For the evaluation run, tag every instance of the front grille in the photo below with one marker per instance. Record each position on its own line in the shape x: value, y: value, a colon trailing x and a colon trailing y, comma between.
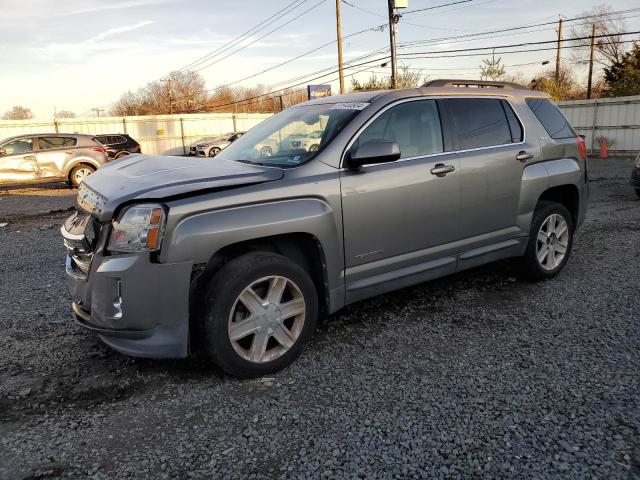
x: 80, y: 234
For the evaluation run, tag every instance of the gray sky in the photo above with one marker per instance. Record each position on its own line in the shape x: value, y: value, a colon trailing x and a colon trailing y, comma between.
x: 77, y: 54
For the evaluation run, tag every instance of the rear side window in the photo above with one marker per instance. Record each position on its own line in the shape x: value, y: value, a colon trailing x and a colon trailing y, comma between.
x: 517, y: 133
x: 551, y: 118
x: 414, y: 126
x: 102, y: 140
x: 47, y: 143
x: 479, y: 122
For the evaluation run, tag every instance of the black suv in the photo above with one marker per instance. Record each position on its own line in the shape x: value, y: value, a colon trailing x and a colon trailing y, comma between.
x: 119, y: 145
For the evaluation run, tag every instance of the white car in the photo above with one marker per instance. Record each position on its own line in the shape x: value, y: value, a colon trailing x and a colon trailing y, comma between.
x: 212, y: 147
x: 310, y: 142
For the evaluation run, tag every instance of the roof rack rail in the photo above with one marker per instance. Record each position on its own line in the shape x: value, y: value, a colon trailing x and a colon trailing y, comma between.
x: 474, y: 83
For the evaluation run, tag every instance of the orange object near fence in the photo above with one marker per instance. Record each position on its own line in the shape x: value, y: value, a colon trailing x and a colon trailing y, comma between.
x: 604, y: 147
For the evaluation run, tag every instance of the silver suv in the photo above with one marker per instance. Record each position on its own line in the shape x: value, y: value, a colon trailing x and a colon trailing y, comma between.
x: 49, y: 157
x: 240, y: 256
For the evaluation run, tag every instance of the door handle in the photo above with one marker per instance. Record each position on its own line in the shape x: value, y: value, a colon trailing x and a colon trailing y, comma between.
x: 440, y: 169
x: 524, y: 156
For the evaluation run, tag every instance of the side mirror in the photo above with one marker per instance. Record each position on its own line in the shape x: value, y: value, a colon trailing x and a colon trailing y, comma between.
x: 3, y: 152
x: 373, y: 151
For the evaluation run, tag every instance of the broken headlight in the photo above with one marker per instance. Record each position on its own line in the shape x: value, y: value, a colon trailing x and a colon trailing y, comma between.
x: 139, y: 228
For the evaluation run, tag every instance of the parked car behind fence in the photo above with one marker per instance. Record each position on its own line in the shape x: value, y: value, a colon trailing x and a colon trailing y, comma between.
x: 50, y: 157
x: 119, y: 145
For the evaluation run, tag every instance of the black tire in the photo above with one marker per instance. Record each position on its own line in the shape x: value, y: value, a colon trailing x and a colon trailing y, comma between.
x: 214, y: 151
x: 530, y: 266
x: 638, y: 192
x: 220, y: 297
x: 314, y: 147
x: 73, y: 176
x: 120, y: 155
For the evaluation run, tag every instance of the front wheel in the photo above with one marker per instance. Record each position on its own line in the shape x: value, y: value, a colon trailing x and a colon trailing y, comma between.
x: 79, y: 173
x: 550, y: 241
x: 214, y: 151
x: 260, y: 310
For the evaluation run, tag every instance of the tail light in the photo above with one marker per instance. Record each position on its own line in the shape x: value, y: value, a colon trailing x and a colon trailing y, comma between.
x: 582, y: 147
x: 100, y: 149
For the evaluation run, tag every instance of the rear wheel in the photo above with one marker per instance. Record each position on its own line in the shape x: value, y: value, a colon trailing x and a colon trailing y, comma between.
x: 121, y: 154
x: 550, y: 241
x: 79, y: 173
x: 266, y: 151
x: 214, y: 151
x: 260, y: 310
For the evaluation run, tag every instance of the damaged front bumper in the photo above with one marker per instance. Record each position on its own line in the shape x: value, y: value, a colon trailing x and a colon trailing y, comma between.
x: 136, y: 306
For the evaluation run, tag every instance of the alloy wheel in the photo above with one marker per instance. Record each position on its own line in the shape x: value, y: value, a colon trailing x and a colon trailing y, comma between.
x: 552, y: 242
x: 267, y: 319
x: 82, y: 173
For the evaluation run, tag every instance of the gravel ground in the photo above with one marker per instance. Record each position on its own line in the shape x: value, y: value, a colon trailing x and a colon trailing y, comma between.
x: 478, y: 375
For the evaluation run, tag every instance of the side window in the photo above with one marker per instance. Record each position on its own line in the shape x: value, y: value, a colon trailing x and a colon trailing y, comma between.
x: 414, y: 126
x: 479, y: 122
x: 120, y: 139
x: 47, y: 143
x: 551, y: 118
x: 102, y: 139
x: 19, y: 146
x: 517, y: 133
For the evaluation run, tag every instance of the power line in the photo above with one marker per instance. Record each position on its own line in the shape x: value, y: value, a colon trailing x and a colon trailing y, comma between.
x: 525, y: 44
x: 260, y: 38
x: 242, y: 36
x: 437, y: 6
x: 419, y: 55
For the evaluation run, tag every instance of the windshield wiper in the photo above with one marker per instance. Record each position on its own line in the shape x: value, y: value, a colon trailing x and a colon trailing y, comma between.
x: 251, y: 162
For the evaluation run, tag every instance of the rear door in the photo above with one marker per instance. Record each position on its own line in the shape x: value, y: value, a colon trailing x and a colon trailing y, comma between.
x: 400, y: 216
x: 53, y: 154
x: 18, y: 164
x: 493, y: 153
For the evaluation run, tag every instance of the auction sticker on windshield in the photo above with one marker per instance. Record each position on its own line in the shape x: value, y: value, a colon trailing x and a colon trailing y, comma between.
x: 350, y: 106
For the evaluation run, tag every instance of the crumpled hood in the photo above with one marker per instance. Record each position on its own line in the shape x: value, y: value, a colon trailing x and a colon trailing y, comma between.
x: 154, y: 177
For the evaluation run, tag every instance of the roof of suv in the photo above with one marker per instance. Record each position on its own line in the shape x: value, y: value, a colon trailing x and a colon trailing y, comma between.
x: 437, y: 87
x: 76, y: 135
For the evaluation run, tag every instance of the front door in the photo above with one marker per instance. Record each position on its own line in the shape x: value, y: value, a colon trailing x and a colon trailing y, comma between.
x: 18, y: 163
x: 399, y: 216
x: 53, y: 154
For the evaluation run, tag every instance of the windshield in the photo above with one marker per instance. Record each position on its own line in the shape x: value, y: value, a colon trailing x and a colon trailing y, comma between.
x: 292, y: 137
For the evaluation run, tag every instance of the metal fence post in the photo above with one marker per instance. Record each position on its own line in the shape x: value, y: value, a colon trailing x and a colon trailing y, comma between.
x: 124, y: 125
x: 233, y: 118
x: 55, y: 125
x: 184, y: 148
x: 593, y: 125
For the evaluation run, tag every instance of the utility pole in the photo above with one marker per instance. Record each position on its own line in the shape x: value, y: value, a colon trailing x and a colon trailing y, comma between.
x: 169, y: 91
x: 392, y: 42
x: 97, y: 110
x: 593, y: 45
x: 339, y: 32
x: 557, y: 76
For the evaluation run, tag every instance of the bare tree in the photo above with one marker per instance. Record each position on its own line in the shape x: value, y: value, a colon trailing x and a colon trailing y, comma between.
x: 608, y: 49
x: 65, y: 114
x: 18, y: 113
x: 179, y: 92
x: 565, y: 88
x: 406, y: 78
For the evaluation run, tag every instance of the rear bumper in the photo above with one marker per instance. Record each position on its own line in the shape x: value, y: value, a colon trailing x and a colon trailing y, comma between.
x: 137, y: 307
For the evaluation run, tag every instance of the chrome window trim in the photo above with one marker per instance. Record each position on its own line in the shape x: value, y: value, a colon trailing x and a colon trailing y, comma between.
x: 433, y: 97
